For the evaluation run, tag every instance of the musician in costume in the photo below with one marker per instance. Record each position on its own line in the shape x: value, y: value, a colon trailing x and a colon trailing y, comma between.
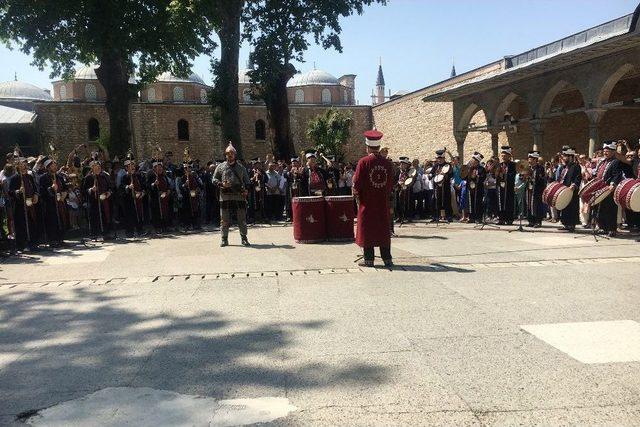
x: 403, y: 193
x: 233, y: 180
x: 372, y: 183
x: 23, y: 193
x: 610, y: 171
x: 190, y: 189
x: 505, y: 179
x: 271, y: 183
x: 475, y: 188
x: 571, y: 176
x: 53, y: 194
x: 293, y: 176
x: 536, y: 182
x: 314, y: 178
x: 441, y: 172
x: 160, y: 195
x: 132, y: 193
x: 96, y: 187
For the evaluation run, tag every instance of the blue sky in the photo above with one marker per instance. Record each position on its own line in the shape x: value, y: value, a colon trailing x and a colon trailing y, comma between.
x: 418, y: 39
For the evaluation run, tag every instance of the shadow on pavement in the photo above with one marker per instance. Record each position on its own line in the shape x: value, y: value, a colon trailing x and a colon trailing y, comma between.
x: 56, y: 348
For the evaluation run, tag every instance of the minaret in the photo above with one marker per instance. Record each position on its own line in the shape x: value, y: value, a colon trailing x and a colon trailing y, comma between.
x: 379, y: 85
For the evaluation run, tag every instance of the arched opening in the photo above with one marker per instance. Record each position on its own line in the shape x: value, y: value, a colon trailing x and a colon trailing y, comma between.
x: 63, y: 92
x: 178, y: 94
x: 183, y: 130
x: 299, y: 98
x: 261, y: 130
x: 93, y: 129
x: 565, y: 122
x: 345, y: 96
x: 326, y: 96
x: 204, y: 97
x: 622, y: 117
x: 151, y: 95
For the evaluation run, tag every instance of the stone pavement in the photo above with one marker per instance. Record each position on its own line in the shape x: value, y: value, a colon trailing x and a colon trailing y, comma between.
x: 472, y: 328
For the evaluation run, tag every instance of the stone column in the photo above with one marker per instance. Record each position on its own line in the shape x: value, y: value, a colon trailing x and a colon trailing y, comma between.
x: 537, y: 126
x: 594, y: 115
x: 460, y: 136
x: 495, y: 140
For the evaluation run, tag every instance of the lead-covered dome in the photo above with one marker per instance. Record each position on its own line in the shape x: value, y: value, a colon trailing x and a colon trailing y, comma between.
x: 23, y: 91
x: 313, y: 78
x: 88, y: 72
x: 168, y: 77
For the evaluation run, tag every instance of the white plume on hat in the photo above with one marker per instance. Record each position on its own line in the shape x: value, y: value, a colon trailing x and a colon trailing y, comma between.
x: 230, y: 148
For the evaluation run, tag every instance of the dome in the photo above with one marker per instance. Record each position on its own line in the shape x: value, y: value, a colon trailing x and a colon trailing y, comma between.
x: 313, y: 78
x: 23, y: 91
x: 88, y: 72
x: 168, y: 77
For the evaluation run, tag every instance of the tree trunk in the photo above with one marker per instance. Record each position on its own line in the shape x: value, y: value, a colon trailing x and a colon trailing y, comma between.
x: 113, y: 74
x: 278, y: 107
x: 227, y: 80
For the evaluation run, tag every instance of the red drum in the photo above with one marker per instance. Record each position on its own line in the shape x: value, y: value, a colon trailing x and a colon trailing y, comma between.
x: 340, y: 214
x: 557, y: 195
x: 309, y: 225
x: 627, y: 195
x: 594, y: 191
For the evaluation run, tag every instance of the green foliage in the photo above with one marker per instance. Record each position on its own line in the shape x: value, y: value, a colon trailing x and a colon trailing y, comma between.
x: 330, y: 131
x: 160, y: 35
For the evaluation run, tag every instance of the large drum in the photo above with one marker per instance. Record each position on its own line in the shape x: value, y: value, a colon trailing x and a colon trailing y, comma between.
x: 340, y: 213
x: 557, y: 195
x: 309, y: 225
x: 594, y: 191
x: 627, y: 194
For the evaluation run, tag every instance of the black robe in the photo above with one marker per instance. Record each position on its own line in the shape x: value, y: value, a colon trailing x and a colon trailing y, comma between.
x: 536, y: 184
x: 606, y: 212
x: 506, y: 191
x: 160, y: 207
x: 190, y: 208
x: 99, y: 210
x: 305, y: 181
x: 475, y: 203
x: 132, y: 206
x: 442, y: 191
x: 54, y: 206
x: 570, y: 216
x: 26, y: 219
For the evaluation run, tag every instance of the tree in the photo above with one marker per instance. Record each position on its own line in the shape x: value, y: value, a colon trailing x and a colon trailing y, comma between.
x: 160, y: 35
x: 330, y: 131
x: 226, y: 17
x: 279, y: 32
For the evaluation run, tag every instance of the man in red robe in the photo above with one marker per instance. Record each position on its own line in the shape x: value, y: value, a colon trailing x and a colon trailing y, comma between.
x: 372, y: 184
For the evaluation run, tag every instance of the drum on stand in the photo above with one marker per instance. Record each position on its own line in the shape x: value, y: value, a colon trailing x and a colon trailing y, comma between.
x: 557, y: 195
x: 340, y: 213
x: 627, y: 194
x: 594, y: 191
x: 309, y: 224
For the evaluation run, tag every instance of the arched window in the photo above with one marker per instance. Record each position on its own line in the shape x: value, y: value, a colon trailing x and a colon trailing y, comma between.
x: 63, y: 92
x: 183, y: 130
x: 151, y: 94
x: 90, y: 92
x: 93, y: 129
x: 326, y: 96
x: 261, y: 130
x: 345, y: 96
x: 178, y: 93
x: 203, y: 96
x: 299, y: 96
x: 246, y: 95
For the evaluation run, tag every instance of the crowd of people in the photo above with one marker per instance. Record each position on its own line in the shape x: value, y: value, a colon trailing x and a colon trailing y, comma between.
x: 500, y: 190
x: 44, y: 201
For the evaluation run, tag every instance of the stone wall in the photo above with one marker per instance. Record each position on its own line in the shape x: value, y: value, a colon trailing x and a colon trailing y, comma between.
x: 66, y: 125
x: 416, y: 129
